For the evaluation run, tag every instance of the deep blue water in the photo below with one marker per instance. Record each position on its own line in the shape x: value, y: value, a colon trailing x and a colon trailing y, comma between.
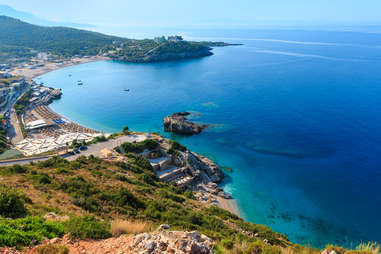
x: 297, y: 117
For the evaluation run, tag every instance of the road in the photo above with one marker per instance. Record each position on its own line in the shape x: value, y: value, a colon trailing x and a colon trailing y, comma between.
x: 94, y: 149
x: 14, y: 132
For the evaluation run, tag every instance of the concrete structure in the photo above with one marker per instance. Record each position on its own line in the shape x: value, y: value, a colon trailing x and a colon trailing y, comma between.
x: 36, y: 125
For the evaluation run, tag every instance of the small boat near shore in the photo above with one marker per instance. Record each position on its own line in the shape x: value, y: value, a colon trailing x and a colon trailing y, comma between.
x: 126, y: 90
x: 80, y: 83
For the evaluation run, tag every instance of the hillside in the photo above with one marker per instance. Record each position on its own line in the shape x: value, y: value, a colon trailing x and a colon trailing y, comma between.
x: 91, y: 198
x: 22, y: 41
x: 16, y: 35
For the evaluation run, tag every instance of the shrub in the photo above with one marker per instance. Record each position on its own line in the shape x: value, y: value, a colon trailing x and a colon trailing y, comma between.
x: 52, y: 249
x: 139, y: 147
x: 174, y: 146
x: 259, y: 246
x: 169, y: 195
x: 125, y: 198
x: 126, y: 130
x: 87, y: 227
x: 18, y: 169
x: 139, y: 161
x: 11, y: 203
x: 227, y: 243
x: 55, y: 161
x: 25, y: 231
x: 119, y: 227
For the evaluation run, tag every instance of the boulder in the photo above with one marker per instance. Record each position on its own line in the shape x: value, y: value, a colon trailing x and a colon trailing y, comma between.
x: 178, y: 123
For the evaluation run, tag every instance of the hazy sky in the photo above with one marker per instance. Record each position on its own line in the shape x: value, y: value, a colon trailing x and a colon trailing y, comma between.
x: 204, y: 12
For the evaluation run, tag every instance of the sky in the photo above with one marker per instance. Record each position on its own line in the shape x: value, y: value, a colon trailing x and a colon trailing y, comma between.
x: 204, y: 13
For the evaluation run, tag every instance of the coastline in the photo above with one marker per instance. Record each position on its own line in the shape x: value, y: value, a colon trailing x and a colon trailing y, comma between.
x: 227, y: 204
x: 31, y: 73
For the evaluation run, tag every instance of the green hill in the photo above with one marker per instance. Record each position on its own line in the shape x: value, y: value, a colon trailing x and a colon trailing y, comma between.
x: 18, y: 38
x: 22, y: 40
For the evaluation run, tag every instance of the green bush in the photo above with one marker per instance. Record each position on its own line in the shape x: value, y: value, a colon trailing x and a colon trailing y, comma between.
x: 11, y: 203
x: 261, y: 247
x: 139, y: 147
x: 87, y: 227
x: 174, y: 146
x: 25, y: 231
x: 139, y: 161
x: 125, y: 198
x: 18, y: 169
x: 227, y: 243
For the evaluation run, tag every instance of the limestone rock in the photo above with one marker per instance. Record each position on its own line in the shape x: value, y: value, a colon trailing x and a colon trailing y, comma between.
x: 178, y: 123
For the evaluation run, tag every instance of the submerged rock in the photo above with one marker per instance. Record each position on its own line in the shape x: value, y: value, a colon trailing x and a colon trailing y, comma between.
x: 178, y: 123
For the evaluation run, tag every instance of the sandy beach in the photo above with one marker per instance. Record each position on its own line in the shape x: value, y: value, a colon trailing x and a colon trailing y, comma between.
x: 229, y: 205
x: 31, y: 72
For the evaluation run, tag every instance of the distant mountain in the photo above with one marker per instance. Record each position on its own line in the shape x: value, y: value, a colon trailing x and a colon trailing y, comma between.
x: 30, y: 18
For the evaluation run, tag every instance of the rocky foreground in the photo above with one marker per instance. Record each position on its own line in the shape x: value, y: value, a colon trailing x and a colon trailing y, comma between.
x: 160, y: 241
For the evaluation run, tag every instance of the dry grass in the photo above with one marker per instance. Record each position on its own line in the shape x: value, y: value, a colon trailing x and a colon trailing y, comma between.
x: 119, y: 227
x: 370, y: 247
x: 52, y: 249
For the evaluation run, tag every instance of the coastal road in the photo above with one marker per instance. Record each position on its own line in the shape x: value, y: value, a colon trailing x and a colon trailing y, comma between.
x: 14, y: 132
x: 22, y: 161
x: 94, y: 149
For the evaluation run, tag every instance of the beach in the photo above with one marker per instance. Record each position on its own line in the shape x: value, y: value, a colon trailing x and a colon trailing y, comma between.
x: 32, y: 71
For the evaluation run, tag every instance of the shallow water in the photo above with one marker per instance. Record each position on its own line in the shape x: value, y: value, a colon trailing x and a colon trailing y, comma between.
x: 297, y: 117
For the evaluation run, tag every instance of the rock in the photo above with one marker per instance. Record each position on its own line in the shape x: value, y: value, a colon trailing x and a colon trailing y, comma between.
x: 224, y: 195
x: 50, y: 216
x: 178, y: 123
x: 325, y: 251
x: 150, y: 246
x: 332, y: 252
x: 163, y: 227
x: 54, y: 240
x: 173, y: 242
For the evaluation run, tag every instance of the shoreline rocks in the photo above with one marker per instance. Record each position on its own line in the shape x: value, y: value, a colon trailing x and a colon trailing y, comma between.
x: 178, y: 123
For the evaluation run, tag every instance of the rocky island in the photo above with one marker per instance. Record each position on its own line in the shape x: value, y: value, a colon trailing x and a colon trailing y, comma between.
x: 178, y: 123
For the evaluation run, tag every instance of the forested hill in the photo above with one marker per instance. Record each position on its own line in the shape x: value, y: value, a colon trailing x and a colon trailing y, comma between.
x: 18, y: 35
x: 21, y: 41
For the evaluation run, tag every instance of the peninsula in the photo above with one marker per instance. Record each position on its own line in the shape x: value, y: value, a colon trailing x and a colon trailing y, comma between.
x: 21, y: 42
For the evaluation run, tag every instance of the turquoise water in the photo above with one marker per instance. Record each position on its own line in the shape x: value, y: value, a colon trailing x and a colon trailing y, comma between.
x: 296, y: 115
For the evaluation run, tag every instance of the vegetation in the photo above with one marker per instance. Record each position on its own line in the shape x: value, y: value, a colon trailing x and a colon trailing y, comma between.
x: 124, y: 191
x: 174, y: 146
x: 19, y: 39
x: 25, y: 231
x: 52, y: 249
x: 87, y: 227
x: 11, y: 203
x: 139, y: 147
x: 119, y: 227
x: 3, y: 140
x: 105, y: 198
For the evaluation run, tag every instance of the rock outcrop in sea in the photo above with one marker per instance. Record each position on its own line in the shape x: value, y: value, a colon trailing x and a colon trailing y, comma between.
x: 178, y: 123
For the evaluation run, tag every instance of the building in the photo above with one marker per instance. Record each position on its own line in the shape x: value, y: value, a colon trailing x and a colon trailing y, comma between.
x: 36, y: 125
x: 175, y: 38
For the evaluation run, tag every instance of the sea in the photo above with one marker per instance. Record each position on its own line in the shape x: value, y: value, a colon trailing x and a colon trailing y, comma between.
x: 295, y: 119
